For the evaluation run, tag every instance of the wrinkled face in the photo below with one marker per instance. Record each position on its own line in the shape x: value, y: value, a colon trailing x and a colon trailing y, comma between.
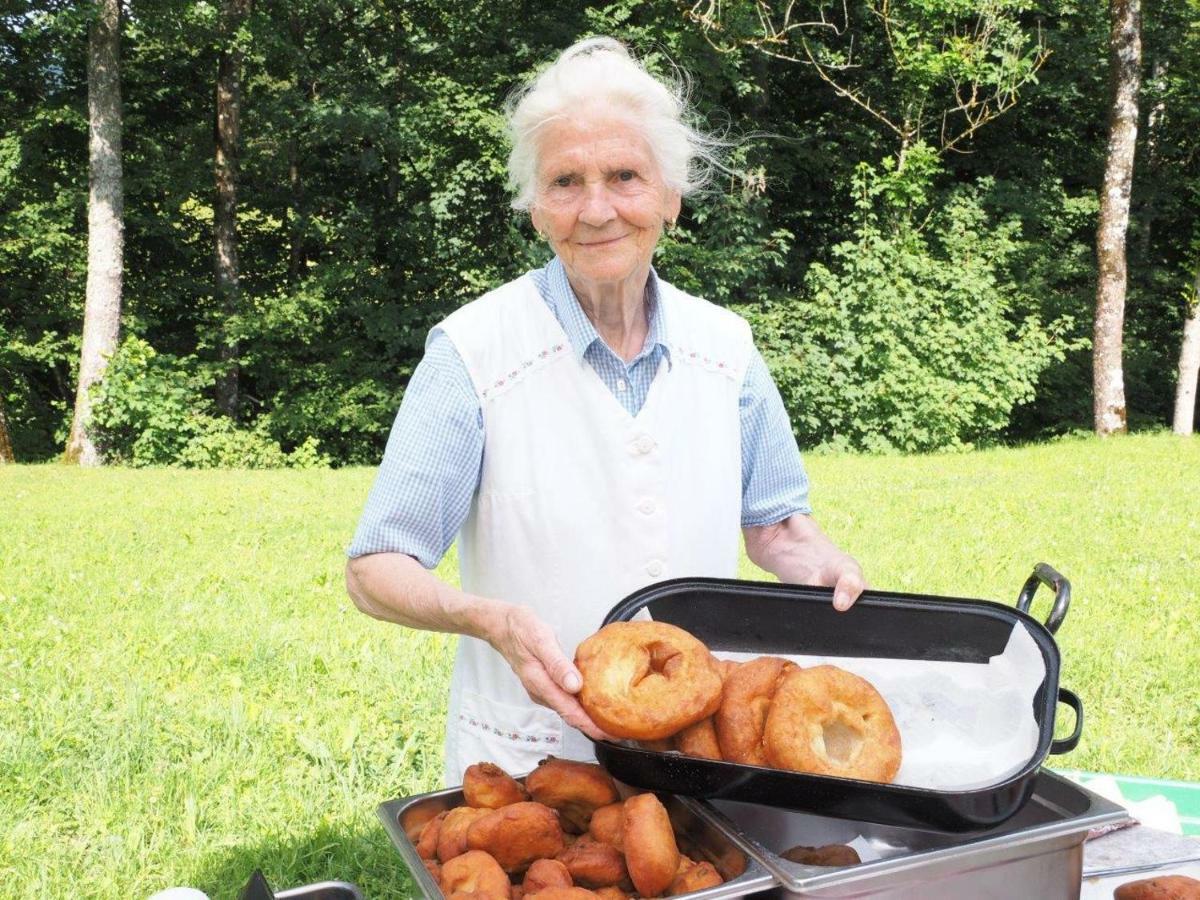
x: 600, y: 201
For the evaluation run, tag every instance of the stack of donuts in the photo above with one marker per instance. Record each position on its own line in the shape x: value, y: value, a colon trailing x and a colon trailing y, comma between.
x: 565, y: 834
x: 655, y: 683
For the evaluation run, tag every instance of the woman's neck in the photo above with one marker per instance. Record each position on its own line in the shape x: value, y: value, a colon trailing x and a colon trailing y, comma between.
x: 618, y: 312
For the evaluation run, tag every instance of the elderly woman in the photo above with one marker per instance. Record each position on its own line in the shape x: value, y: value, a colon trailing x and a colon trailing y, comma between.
x: 585, y: 430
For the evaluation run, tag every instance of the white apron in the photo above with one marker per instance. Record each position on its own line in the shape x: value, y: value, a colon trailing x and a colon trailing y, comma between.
x: 580, y: 503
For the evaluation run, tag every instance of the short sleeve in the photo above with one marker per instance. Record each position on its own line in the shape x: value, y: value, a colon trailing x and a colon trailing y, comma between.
x: 774, y: 483
x: 431, y: 467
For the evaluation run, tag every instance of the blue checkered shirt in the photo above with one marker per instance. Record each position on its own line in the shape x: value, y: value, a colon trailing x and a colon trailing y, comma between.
x: 431, y: 466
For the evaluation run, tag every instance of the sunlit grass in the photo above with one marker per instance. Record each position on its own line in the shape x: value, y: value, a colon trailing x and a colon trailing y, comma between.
x: 185, y: 693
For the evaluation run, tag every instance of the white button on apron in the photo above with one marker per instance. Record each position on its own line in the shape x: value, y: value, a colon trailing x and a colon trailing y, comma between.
x: 654, y: 569
x: 646, y: 507
x: 644, y: 444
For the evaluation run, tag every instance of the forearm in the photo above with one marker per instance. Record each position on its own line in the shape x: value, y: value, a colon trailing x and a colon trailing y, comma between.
x: 396, y: 588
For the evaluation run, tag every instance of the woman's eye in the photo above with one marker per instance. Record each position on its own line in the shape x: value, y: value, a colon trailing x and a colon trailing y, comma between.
x: 562, y: 181
x: 626, y: 175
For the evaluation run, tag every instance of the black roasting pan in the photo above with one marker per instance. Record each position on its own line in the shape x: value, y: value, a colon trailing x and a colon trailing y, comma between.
x: 769, y: 618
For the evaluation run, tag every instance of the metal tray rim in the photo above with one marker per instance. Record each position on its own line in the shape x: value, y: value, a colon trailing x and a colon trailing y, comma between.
x: 798, y: 878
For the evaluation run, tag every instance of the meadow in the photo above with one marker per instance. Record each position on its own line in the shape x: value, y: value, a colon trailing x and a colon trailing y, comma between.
x: 186, y: 693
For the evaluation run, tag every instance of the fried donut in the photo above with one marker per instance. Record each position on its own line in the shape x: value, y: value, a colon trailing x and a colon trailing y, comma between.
x: 828, y: 721
x: 475, y: 872
x: 594, y: 864
x: 428, y: 841
x: 695, y: 877
x: 606, y: 825
x: 575, y: 789
x: 699, y: 740
x: 563, y: 893
x: 646, y: 680
x: 546, y: 873
x: 829, y: 855
x: 611, y: 893
x: 651, y: 853
x: 517, y: 834
x: 452, y: 836
x: 1164, y: 887
x: 745, y: 700
x: 434, y: 869
x: 487, y: 785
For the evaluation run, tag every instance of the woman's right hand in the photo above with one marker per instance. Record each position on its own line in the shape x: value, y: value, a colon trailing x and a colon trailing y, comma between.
x: 531, y: 648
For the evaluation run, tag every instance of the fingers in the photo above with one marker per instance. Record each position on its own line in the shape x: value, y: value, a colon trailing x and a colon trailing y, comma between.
x: 543, y: 689
x: 850, y: 584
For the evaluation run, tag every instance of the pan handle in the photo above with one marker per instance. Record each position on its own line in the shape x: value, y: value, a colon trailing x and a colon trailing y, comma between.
x: 1044, y: 574
x: 1067, y: 744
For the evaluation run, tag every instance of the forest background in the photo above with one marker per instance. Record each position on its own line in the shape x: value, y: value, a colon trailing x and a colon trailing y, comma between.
x: 911, y: 227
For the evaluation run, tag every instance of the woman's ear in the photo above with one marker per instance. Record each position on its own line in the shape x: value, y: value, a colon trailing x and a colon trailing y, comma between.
x: 536, y: 218
x: 671, y: 207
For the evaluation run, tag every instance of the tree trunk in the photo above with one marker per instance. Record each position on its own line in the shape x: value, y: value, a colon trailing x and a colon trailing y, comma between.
x: 226, y: 136
x: 1125, y: 59
x: 106, y: 229
x: 1189, y: 367
x: 6, y: 450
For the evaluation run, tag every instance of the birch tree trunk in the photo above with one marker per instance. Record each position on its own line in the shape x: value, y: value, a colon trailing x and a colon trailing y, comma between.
x: 1189, y: 367
x: 1125, y: 59
x: 106, y: 229
x: 226, y: 133
x: 6, y: 450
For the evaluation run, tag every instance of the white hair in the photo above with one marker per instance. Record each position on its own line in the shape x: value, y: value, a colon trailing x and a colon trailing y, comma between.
x: 601, y: 71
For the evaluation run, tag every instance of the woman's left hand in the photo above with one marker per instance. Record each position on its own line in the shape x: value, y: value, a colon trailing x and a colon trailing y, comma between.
x: 798, y: 552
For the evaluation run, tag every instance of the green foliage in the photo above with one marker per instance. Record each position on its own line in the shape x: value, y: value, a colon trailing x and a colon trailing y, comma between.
x: 151, y: 409
x: 907, y: 339
x: 372, y: 200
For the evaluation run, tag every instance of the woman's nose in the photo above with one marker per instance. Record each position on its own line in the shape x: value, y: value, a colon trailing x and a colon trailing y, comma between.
x: 597, y: 205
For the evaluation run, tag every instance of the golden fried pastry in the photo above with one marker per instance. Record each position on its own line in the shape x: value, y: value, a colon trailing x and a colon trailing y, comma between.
x: 695, y: 877
x: 563, y: 893
x: 606, y: 825
x: 745, y: 700
x: 487, y: 785
x: 646, y: 680
x: 546, y: 873
x: 651, y: 853
x: 517, y: 834
x: 434, y: 869
x: 829, y: 855
x: 475, y: 872
x: 452, y: 837
x: 699, y: 740
x: 612, y: 893
x: 828, y: 721
x: 575, y: 789
x: 1164, y: 887
x: 593, y: 864
x: 428, y: 841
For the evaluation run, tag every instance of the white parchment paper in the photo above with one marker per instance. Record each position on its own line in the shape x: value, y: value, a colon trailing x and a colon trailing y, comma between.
x: 962, y: 725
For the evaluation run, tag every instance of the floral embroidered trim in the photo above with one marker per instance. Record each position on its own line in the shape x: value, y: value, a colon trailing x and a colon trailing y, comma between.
x: 508, y: 380
x: 712, y: 364
x: 511, y: 735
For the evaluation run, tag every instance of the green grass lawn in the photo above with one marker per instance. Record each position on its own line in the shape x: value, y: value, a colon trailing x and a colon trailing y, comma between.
x: 186, y: 693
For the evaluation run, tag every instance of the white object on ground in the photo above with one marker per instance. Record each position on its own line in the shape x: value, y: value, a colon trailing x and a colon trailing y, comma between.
x: 180, y: 893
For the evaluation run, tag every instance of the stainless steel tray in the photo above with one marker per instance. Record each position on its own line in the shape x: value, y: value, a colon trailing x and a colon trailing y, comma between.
x: 1038, y: 853
x: 699, y: 828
